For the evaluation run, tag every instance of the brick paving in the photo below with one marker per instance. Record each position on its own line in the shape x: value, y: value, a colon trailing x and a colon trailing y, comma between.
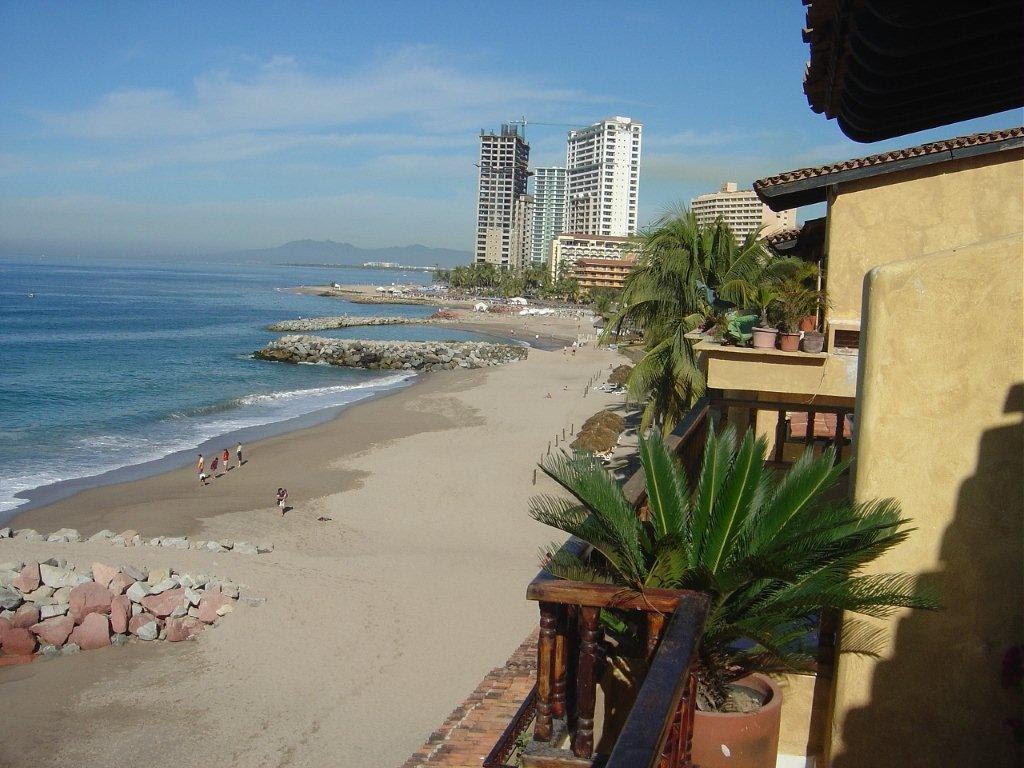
x: 473, y: 728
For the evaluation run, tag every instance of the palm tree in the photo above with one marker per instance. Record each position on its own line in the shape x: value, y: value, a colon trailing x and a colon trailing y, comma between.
x: 687, y: 272
x: 771, y: 551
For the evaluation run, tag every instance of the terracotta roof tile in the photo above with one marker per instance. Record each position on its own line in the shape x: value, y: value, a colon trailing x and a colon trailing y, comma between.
x: 972, y: 140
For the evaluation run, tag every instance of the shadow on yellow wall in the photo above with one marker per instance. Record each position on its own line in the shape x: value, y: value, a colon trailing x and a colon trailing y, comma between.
x: 952, y: 659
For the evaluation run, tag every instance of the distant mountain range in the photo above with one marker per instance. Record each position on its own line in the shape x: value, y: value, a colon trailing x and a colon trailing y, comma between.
x: 330, y: 252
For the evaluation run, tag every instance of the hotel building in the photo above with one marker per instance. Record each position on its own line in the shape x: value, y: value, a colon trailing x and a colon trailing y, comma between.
x: 504, y: 157
x: 742, y: 210
x: 567, y: 249
x: 548, y: 211
x: 603, y: 178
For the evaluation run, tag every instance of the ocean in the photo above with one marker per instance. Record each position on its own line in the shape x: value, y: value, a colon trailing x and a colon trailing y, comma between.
x: 110, y: 365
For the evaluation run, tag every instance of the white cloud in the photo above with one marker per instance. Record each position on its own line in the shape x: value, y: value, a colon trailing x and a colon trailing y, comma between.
x: 415, y: 84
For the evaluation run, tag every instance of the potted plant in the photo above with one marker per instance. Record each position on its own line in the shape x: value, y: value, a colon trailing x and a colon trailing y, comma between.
x: 813, y: 341
x: 771, y: 552
x: 795, y: 302
x: 763, y: 298
x: 732, y: 328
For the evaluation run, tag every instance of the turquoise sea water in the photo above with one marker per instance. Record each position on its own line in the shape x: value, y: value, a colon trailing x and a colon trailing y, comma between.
x: 113, y: 364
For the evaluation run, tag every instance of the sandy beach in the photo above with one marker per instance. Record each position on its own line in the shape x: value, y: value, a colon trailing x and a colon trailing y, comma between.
x: 377, y: 622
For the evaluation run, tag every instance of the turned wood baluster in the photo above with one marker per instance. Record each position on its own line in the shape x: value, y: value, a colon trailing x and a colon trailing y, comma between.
x: 561, y: 665
x: 586, y: 683
x: 655, y: 626
x: 687, y: 708
x: 545, y: 671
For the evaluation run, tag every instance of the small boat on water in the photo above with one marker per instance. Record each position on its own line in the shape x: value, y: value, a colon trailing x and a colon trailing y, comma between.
x: 31, y: 295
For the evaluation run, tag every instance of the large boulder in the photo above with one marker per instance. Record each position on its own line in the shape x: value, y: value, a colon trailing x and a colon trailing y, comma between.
x: 120, y: 613
x: 163, y: 605
x: 18, y: 642
x: 213, y: 601
x: 54, y: 631
x: 120, y: 583
x: 9, y: 598
x: 92, y: 633
x: 103, y: 574
x: 183, y: 628
x: 28, y: 580
x: 25, y: 617
x: 89, y: 598
x: 57, y: 577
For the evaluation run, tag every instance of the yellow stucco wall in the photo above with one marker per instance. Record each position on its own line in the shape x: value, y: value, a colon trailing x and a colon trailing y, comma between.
x: 780, y: 373
x: 940, y: 402
x: 902, y: 215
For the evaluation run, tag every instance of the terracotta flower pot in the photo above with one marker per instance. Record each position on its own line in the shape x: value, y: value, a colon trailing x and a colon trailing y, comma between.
x: 789, y: 342
x: 813, y: 341
x: 764, y: 338
x: 738, y: 740
x: 809, y: 323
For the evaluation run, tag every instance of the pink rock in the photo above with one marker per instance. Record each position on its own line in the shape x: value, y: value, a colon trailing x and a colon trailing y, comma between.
x: 212, y: 601
x: 25, y: 617
x: 120, y: 612
x: 142, y: 619
x: 18, y: 642
x: 103, y: 573
x: 5, y: 625
x: 161, y: 605
x: 28, y: 580
x: 183, y: 628
x: 92, y: 633
x: 54, y: 631
x: 120, y: 583
x: 128, y: 536
x: 89, y: 598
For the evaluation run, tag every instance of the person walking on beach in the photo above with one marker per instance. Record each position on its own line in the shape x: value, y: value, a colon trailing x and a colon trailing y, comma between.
x: 238, y: 453
x: 213, y: 466
x: 282, y: 498
x: 225, y: 459
x: 200, y: 467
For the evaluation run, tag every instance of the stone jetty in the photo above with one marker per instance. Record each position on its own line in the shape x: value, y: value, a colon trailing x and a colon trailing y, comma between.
x: 54, y: 608
x: 391, y: 355
x: 313, y: 324
x: 132, y: 538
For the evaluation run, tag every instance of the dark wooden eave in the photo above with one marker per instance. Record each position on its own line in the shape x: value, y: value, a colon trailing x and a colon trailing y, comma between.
x: 882, y: 68
x: 806, y: 186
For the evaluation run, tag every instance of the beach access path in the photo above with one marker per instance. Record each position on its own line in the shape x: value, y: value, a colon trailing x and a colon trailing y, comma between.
x: 377, y: 623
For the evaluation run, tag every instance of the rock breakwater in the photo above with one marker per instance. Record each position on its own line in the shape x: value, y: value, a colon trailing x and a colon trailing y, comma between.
x: 391, y: 355
x: 312, y: 324
x: 53, y: 608
x: 132, y: 538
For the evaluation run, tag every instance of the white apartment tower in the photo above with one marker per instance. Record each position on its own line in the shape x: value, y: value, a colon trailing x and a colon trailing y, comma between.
x: 548, y: 211
x: 603, y: 178
x: 742, y: 211
x: 521, y: 240
x: 503, y: 164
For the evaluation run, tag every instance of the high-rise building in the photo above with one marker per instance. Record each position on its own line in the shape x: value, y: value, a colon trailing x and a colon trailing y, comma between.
x: 603, y: 178
x: 521, y: 241
x: 548, y: 211
x: 503, y: 164
x: 742, y: 210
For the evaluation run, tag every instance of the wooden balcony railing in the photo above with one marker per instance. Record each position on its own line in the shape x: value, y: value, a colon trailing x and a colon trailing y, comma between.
x: 659, y: 727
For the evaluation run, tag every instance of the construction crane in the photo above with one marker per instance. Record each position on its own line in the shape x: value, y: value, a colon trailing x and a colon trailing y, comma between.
x: 524, y: 123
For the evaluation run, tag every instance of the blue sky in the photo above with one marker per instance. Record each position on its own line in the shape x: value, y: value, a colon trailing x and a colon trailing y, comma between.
x: 159, y: 128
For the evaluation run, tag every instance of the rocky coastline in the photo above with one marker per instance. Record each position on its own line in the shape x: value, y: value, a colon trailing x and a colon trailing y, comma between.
x: 391, y: 355
x: 313, y: 324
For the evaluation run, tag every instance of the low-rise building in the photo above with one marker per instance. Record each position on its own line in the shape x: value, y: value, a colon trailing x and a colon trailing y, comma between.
x: 592, y: 273
x: 742, y: 211
x: 567, y: 248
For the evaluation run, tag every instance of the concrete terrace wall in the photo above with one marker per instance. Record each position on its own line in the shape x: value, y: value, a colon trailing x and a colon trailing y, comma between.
x: 939, y: 426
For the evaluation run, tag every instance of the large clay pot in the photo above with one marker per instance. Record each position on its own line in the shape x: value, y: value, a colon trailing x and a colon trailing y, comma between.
x: 813, y: 342
x: 809, y: 323
x: 789, y: 342
x: 734, y: 740
x: 764, y: 338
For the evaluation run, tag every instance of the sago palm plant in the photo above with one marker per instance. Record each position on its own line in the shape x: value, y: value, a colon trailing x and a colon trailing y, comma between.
x: 770, y: 550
